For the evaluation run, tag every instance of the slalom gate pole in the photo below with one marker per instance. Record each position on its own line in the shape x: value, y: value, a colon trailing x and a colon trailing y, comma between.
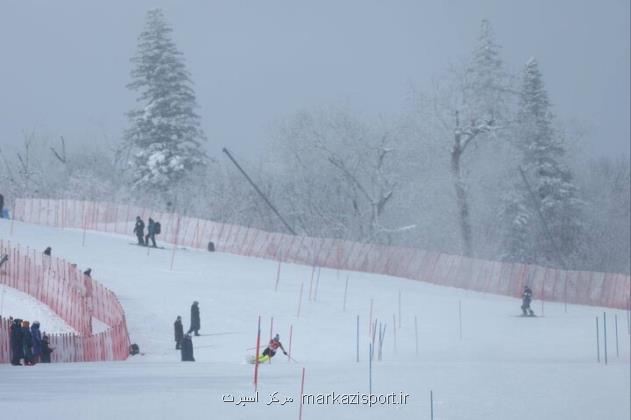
x: 370, y: 351
x: 311, y: 281
x: 416, y: 333
x: 374, y: 333
x: 317, y: 286
x: 300, y: 299
x: 177, y: 233
x: 394, y: 334
x: 345, y: 293
x: 615, y: 317
x: 277, y: 277
x: 597, y: 342
x: 302, y: 391
x: 271, y: 328
x: 395, y: 325
x: 291, y: 330
x: 431, y: 405
x: 370, y: 320
x: 256, y: 361
x: 460, y: 317
x: 357, y: 358
x: 605, y: 335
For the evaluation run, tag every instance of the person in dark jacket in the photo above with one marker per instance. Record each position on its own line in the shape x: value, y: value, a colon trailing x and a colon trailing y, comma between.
x: 139, y: 230
x: 187, y: 348
x: 27, y: 343
x: 195, y: 321
x: 46, y: 349
x: 48, y: 251
x: 179, y: 332
x: 526, y: 298
x: 151, y: 233
x: 88, y: 272
x: 17, y: 347
x: 37, y: 341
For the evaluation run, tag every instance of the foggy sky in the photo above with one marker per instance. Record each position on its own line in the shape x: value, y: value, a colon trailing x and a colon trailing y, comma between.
x: 64, y: 64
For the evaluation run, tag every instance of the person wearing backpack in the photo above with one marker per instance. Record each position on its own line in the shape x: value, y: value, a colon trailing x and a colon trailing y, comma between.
x: 153, y: 229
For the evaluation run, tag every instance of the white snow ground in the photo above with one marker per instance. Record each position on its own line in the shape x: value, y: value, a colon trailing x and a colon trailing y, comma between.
x: 21, y: 305
x: 504, y: 367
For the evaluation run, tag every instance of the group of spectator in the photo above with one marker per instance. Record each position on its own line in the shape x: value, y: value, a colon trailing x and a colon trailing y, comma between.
x: 153, y: 229
x: 28, y: 343
x: 184, y: 342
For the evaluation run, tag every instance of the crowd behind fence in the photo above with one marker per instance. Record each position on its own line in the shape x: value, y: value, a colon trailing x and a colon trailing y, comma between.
x: 74, y: 297
x: 578, y: 287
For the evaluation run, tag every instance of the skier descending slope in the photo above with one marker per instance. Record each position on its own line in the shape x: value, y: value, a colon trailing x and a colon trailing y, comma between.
x: 270, y: 351
x: 526, y: 297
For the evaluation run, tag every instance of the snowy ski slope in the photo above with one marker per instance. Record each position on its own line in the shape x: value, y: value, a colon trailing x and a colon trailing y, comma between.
x: 503, y: 367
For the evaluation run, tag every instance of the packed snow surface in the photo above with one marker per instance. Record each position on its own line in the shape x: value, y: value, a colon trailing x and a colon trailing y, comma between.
x: 502, y: 366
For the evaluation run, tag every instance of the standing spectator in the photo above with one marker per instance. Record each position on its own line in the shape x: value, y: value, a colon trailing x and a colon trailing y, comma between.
x: 151, y: 232
x: 17, y: 347
x: 46, y: 349
x: 88, y: 272
x: 195, y: 321
x: 27, y: 343
x: 179, y: 332
x: 37, y: 341
x: 48, y: 251
x: 187, y: 348
x: 139, y: 230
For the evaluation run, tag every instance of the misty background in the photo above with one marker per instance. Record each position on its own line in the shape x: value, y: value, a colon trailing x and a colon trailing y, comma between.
x: 65, y: 64
x: 348, y: 115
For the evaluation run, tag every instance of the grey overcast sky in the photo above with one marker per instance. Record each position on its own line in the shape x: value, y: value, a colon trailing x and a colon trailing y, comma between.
x: 64, y: 64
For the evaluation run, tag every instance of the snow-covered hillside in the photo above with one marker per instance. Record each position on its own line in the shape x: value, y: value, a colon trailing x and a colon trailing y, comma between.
x: 503, y: 367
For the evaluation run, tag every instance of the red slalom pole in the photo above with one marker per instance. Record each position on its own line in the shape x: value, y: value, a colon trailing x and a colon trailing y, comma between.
x: 256, y: 361
x: 291, y: 327
x: 302, y: 391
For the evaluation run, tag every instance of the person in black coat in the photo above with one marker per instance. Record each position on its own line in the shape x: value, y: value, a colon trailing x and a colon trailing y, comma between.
x: 27, y: 344
x: 17, y: 346
x: 526, y: 297
x: 48, y: 251
x: 46, y: 349
x: 195, y: 321
x: 151, y: 233
x: 37, y: 341
x: 187, y: 349
x: 139, y: 230
x: 179, y: 332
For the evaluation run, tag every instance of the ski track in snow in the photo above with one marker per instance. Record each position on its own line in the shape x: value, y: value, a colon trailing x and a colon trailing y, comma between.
x: 504, y: 367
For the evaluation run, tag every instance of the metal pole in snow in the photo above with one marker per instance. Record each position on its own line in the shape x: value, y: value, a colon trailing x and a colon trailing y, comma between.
x: 597, y: 342
x: 345, y: 293
x: 605, y: 335
x: 317, y: 286
x: 302, y: 285
x: 460, y: 317
x: 311, y: 281
x: 431, y: 405
x: 370, y: 320
x: 394, y: 326
x: 394, y: 334
x: 357, y: 338
x: 370, y: 351
x: 271, y: 328
x: 615, y: 317
x: 277, y: 276
x: 416, y: 333
x: 302, y: 391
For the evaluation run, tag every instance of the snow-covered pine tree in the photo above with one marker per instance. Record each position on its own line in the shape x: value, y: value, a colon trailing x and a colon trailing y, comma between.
x: 550, y: 180
x: 164, y: 137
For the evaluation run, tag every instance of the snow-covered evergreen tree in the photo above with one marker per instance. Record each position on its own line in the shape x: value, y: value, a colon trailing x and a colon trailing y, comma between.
x: 551, y: 182
x: 164, y: 137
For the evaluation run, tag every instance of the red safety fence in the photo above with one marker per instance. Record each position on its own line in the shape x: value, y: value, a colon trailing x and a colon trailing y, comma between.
x: 580, y: 287
x: 74, y: 297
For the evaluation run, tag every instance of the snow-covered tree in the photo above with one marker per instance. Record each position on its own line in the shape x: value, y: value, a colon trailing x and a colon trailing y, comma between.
x: 549, y: 205
x: 164, y: 139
